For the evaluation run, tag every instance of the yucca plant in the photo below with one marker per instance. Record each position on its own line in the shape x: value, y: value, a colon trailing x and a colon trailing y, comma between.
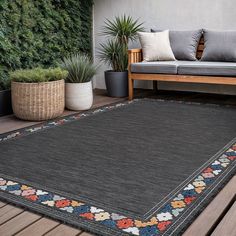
x: 80, y: 68
x: 120, y: 31
x: 114, y: 54
x: 123, y: 28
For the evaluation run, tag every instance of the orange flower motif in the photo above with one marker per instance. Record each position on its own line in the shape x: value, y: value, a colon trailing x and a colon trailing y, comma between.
x: 62, y: 203
x: 32, y: 198
x: 88, y: 216
x: 125, y: 223
x: 232, y: 158
x: 208, y: 170
x: 178, y: 204
x: 139, y: 223
x: 188, y: 200
x: 163, y: 225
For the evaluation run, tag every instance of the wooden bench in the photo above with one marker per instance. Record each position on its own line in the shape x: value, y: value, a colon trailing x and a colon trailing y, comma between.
x: 135, y: 55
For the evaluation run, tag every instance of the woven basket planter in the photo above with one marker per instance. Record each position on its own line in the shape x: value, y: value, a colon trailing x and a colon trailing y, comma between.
x: 38, y: 101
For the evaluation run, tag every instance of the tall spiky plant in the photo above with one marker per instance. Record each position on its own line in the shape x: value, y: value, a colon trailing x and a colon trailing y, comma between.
x: 113, y: 53
x: 80, y: 68
x: 123, y: 28
x: 120, y: 31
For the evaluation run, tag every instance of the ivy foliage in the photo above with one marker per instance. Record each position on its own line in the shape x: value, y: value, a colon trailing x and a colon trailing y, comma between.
x: 40, y: 33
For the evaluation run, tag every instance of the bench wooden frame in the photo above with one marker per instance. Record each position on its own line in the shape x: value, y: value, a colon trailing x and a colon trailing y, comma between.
x: 135, y: 55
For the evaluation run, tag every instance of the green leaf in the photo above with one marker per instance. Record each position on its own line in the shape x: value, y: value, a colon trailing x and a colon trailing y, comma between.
x: 40, y: 33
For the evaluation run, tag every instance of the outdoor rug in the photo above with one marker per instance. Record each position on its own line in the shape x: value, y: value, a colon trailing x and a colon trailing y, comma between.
x: 146, y: 167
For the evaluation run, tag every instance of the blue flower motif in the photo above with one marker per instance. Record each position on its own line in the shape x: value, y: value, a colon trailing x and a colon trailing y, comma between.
x: 13, y: 187
x: 230, y: 153
x: 109, y: 223
x: 209, y: 180
x: 216, y: 167
x: 44, y: 198
x: 81, y: 209
x: 167, y: 208
x: 149, y: 231
x: 189, y: 193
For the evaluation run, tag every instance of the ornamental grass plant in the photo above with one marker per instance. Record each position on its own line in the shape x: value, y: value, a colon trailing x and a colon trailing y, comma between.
x: 38, y: 75
x: 80, y: 68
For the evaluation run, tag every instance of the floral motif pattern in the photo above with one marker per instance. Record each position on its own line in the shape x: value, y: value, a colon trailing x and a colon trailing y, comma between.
x: 155, y: 226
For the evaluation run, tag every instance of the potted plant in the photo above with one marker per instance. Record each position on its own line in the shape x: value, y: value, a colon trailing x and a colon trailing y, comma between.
x: 79, y: 90
x: 5, y: 95
x: 114, y: 52
x: 38, y: 94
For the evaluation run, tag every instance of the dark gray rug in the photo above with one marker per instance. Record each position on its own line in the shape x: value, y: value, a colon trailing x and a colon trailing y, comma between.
x: 144, y: 168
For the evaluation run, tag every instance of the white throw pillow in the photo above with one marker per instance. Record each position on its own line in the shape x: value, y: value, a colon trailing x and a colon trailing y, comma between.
x: 156, y: 46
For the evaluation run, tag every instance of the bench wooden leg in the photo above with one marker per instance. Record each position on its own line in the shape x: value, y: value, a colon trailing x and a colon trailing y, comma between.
x: 131, y: 89
x: 155, y: 87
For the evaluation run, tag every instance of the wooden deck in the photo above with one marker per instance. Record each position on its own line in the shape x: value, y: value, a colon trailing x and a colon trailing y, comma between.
x: 218, y: 219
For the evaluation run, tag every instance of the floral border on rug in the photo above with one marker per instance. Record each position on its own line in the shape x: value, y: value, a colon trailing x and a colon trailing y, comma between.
x: 155, y: 226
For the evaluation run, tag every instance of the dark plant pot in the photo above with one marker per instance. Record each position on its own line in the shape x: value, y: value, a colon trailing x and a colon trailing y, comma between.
x: 5, y: 103
x: 116, y: 83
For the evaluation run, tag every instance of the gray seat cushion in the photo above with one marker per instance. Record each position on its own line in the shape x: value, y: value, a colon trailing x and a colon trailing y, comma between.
x: 207, y: 68
x: 184, y: 43
x: 219, y: 46
x: 157, y: 67
x: 185, y: 68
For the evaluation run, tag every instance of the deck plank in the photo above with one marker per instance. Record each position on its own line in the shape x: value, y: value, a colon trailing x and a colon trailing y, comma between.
x: 86, y: 234
x: 39, y: 228
x: 62, y: 230
x: 227, y: 226
x: 8, y: 212
x: 18, y: 223
x: 209, y: 217
x: 2, y: 204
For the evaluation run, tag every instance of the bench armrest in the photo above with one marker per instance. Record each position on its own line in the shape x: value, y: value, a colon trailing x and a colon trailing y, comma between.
x: 137, y: 50
x: 135, y: 55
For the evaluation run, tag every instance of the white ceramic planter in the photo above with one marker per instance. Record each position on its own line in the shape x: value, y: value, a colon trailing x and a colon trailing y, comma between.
x: 79, y: 96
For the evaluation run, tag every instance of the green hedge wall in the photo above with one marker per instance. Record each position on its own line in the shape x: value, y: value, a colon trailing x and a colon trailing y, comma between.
x: 40, y: 32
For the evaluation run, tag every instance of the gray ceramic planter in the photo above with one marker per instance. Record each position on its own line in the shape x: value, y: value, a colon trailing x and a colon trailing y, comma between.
x: 116, y: 83
x: 5, y: 103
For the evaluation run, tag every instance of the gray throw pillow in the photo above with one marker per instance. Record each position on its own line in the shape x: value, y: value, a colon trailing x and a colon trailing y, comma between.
x: 184, y: 43
x: 219, y: 46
